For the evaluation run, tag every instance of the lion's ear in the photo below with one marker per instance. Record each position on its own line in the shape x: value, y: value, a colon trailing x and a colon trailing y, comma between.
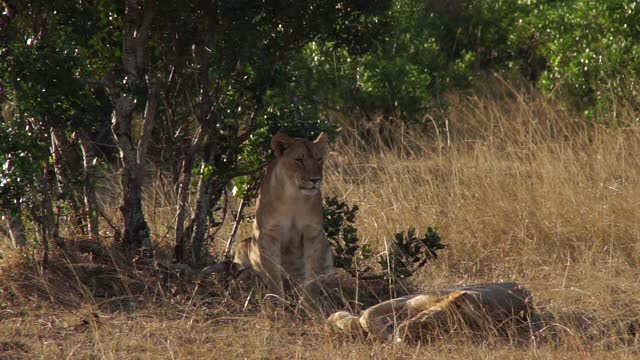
x: 280, y: 143
x: 322, y: 143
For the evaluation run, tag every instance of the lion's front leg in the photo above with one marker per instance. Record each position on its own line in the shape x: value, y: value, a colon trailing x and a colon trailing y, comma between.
x: 318, y: 260
x: 270, y: 262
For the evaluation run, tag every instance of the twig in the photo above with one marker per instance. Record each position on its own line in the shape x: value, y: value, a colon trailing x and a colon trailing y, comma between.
x: 224, y: 216
x: 245, y: 199
x: 246, y: 302
x: 236, y: 224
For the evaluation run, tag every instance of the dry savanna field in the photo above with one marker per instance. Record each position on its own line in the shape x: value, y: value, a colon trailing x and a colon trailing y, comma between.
x: 518, y: 188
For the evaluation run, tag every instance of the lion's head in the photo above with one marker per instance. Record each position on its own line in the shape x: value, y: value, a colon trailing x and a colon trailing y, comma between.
x: 299, y: 162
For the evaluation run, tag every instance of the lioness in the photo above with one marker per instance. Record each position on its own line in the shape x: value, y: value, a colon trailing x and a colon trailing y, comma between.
x: 288, y: 237
x: 484, y: 307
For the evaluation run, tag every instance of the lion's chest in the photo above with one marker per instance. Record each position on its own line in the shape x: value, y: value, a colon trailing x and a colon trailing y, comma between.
x: 293, y: 234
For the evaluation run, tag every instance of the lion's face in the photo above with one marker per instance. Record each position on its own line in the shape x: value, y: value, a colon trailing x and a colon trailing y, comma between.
x: 301, y: 161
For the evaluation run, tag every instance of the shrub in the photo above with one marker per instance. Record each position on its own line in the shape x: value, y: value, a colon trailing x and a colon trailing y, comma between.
x: 405, y: 255
x: 339, y: 228
x: 409, y: 253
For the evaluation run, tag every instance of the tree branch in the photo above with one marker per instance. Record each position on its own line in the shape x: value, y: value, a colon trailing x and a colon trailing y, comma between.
x: 148, y: 122
x: 147, y: 16
x: 132, y: 42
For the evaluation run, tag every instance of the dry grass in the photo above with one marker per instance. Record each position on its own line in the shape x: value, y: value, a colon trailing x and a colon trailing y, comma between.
x: 519, y: 190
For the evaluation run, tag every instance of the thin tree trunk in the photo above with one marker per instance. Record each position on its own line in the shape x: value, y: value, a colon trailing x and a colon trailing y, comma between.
x: 136, y: 230
x: 183, y: 195
x: 44, y: 240
x: 16, y: 228
x: 50, y: 218
x: 206, y: 118
x: 46, y: 221
x: 209, y: 194
x: 66, y: 166
x: 210, y: 191
x: 88, y: 188
x: 136, y: 22
x: 200, y: 219
x: 181, y: 211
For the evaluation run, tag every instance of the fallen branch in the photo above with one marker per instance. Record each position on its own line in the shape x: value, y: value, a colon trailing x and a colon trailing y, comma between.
x: 116, y: 232
x: 96, y: 249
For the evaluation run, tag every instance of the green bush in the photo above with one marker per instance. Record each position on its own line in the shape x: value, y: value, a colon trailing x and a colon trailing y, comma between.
x: 429, y: 47
x: 591, y: 50
x: 339, y: 220
x: 587, y: 52
x: 408, y: 253
x: 405, y: 255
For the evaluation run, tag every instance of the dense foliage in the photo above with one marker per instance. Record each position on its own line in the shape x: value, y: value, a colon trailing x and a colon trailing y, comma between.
x: 587, y: 51
x: 196, y: 88
x: 591, y: 50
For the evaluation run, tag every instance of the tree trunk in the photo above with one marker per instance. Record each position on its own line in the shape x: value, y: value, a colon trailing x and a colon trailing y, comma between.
x: 47, y: 220
x: 16, y: 228
x: 183, y: 196
x: 136, y: 231
x: 200, y: 219
x: 181, y: 211
x: 207, y: 120
x: 136, y: 22
x: 88, y: 188
x: 209, y: 192
x: 66, y: 166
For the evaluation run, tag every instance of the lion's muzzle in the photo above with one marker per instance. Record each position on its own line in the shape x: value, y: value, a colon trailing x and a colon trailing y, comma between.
x: 311, y: 186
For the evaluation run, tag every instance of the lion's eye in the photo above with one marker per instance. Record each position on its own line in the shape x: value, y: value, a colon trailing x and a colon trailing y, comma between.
x: 320, y: 160
x: 300, y: 161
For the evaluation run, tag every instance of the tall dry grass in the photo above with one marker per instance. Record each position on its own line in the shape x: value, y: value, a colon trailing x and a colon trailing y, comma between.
x: 519, y: 189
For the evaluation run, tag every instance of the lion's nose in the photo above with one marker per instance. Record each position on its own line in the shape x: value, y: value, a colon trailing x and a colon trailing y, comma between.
x: 315, y: 180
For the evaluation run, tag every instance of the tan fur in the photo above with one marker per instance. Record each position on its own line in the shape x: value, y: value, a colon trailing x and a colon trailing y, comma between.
x: 344, y: 322
x: 380, y: 320
x: 415, y: 317
x: 289, y: 242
